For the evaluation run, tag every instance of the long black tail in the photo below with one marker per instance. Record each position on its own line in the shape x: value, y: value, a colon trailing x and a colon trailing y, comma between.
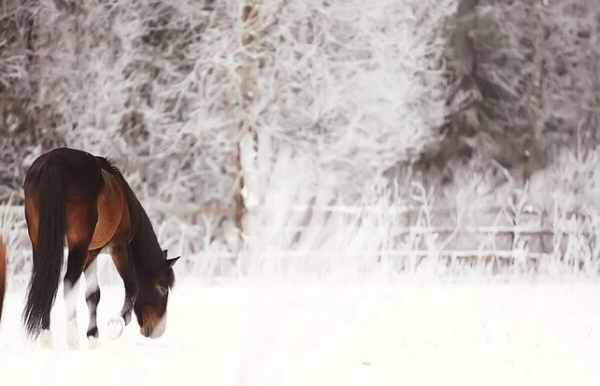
x: 48, y: 259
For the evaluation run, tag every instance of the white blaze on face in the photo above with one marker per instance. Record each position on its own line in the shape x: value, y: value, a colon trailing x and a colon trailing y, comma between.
x: 160, y: 328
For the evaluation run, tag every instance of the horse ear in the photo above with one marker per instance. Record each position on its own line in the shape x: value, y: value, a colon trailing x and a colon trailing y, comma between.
x: 170, y: 262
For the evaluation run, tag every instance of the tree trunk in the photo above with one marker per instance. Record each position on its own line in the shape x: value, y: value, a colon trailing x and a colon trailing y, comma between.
x: 244, y: 154
x: 533, y: 98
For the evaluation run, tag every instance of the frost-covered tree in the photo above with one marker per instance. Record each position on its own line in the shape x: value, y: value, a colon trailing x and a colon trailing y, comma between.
x: 525, y: 80
x: 214, y: 94
x: 24, y: 123
x: 210, y: 105
x: 342, y: 94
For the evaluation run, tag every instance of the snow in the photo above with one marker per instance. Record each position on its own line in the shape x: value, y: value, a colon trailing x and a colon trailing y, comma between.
x: 277, y: 333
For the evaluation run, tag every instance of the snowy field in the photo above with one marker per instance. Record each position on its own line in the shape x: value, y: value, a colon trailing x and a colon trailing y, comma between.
x: 251, y: 333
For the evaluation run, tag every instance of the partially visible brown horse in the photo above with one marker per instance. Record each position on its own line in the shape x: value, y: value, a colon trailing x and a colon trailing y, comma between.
x: 73, y: 196
x: 2, y: 273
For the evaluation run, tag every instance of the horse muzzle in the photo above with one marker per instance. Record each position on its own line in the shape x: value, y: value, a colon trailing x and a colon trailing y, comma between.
x: 154, y: 327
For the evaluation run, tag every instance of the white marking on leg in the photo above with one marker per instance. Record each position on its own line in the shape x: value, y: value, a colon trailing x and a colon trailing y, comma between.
x: 70, y: 296
x: 92, y: 324
x: 92, y: 342
x: 91, y: 281
x: 72, y: 334
x: 46, y: 340
x: 115, y: 327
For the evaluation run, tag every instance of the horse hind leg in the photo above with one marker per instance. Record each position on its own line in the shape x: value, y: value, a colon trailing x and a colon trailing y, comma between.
x: 77, y: 259
x: 81, y: 221
x: 92, y: 297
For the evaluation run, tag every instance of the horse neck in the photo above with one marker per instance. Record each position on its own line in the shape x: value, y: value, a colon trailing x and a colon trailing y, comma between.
x: 146, y: 252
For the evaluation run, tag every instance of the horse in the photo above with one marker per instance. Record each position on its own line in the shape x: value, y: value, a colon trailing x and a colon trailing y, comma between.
x: 2, y: 274
x: 76, y: 199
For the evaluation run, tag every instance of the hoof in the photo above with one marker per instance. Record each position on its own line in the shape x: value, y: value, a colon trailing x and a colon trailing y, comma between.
x: 46, y: 340
x: 72, y: 335
x: 115, y: 327
x: 93, y: 342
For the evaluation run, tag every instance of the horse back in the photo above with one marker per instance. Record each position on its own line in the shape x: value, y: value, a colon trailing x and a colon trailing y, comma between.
x: 95, y: 201
x: 79, y: 182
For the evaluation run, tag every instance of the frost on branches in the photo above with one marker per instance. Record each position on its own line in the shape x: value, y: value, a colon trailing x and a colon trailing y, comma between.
x: 347, y: 90
x: 531, y: 80
x: 340, y: 92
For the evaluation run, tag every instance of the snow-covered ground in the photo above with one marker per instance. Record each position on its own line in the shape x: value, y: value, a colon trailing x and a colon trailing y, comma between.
x: 249, y: 333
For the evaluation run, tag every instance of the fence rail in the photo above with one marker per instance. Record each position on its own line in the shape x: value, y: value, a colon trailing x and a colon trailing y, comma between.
x: 503, y: 255
x: 393, y: 253
x: 196, y: 209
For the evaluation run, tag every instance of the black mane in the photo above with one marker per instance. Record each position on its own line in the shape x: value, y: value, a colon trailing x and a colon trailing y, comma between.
x: 146, y: 252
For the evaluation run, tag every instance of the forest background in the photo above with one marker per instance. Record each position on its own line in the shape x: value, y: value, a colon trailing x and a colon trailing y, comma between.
x: 321, y: 136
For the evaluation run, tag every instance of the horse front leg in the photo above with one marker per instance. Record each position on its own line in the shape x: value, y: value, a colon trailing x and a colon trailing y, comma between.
x: 122, y: 259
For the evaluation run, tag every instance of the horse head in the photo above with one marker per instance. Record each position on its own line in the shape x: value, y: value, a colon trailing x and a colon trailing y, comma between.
x: 151, y: 303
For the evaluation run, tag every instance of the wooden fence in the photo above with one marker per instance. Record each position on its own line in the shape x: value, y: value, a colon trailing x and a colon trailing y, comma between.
x: 536, y: 229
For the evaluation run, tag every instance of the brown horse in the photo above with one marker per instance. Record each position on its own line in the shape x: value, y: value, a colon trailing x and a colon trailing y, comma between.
x: 74, y: 197
x: 2, y: 273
